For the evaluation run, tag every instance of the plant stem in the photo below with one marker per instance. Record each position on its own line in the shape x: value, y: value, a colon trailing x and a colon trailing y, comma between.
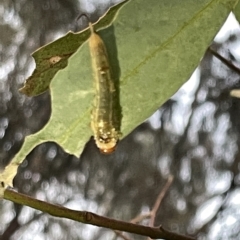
x: 92, y: 218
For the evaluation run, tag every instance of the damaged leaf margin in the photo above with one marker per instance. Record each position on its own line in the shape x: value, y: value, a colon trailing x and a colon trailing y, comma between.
x: 53, y: 57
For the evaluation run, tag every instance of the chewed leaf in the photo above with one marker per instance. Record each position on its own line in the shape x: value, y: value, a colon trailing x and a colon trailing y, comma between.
x: 54, y: 56
x: 152, y: 53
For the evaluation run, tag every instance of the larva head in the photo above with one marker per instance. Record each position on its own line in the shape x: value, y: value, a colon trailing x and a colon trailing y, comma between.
x: 106, y: 145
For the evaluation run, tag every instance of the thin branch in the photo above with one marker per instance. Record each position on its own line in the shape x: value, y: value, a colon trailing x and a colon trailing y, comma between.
x: 159, y: 200
x: 92, y: 218
x: 141, y: 217
x: 224, y: 60
x: 135, y: 220
x: 155, y: 208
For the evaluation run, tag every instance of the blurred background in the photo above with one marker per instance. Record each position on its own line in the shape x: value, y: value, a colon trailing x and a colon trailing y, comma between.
x: 194, y: 136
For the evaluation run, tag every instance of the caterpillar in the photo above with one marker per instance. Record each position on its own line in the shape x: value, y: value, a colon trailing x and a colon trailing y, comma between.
x: 104, y: 122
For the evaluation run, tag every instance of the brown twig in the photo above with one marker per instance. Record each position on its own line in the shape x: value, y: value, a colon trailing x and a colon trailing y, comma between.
x: 141, y: 217
x: 224, y: 60
x: 92, y: 218
x: 159, y: 200
x: 153, y: 212
x: 137, y: 219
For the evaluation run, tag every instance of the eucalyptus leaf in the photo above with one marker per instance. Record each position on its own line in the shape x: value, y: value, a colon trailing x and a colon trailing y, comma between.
x: 54, y: 56
x: 236, y: 10
x: 153, y: 47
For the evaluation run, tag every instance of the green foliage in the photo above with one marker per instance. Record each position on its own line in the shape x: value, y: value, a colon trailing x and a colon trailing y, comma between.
x: 153, y: 46
x: 54, y: 56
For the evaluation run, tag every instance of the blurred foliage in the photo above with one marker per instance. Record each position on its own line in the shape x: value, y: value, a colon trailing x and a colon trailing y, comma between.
x: 194, y: 136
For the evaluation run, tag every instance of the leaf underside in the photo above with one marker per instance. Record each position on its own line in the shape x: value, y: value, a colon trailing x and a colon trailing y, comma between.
x: 152, y: 53
x: 53, y: 57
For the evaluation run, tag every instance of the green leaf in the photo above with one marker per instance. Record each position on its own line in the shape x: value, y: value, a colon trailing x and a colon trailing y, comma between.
x: 53, y: 57
x: 153, y: 47
x: 236, y: 11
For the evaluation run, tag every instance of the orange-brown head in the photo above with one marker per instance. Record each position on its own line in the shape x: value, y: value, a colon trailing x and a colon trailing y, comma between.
x: 106, y: 145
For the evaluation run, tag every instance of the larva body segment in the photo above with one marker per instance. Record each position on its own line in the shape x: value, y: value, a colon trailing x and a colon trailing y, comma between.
x: 106, y: 134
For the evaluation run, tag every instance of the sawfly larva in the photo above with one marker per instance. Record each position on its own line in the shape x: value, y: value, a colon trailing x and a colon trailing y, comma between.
x: 104, y: 122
